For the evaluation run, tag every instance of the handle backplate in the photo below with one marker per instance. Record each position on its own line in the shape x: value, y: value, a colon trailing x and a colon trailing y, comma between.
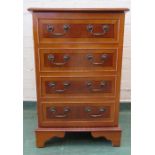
x: 103, y: 58
x: 90, y: 86
x: 99, y: 114
x: 53, y: 85
x: 65, y: 112
x: 50, y: 28
x: 105, y: 29
x: 51, y: 58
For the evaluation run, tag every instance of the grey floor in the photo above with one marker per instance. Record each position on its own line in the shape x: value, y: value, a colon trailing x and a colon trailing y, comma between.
x: 75, y: 143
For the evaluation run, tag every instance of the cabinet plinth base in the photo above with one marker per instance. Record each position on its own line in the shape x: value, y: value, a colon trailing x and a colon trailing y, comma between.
x: 110, y: 133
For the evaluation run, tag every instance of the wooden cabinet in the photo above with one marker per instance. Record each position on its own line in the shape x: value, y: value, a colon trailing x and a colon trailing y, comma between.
x: 78, y: 58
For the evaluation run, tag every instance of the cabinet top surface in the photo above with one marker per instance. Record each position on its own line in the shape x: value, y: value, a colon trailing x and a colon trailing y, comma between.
x: 78, y: 9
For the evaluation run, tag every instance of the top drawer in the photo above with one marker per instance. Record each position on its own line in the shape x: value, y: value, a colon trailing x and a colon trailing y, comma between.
x: 69, y: 28
x: 78, y: 30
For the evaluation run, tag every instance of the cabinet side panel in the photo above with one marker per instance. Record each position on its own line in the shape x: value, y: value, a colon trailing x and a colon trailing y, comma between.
x: 35, y: 36
x: 119, y: 67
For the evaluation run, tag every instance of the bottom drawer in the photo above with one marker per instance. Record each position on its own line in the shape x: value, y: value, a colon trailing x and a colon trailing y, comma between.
x: 76, y: 114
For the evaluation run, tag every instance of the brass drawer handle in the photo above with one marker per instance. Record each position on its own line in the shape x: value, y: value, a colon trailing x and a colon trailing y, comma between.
x: 90, y: 29
x: 65, y: 112
x: 51, y: 58
x: 60, y: 90
x: 90, y: 86
x: 100, y: 114
x: 103, y: 59
x: 65, y: 84
x: 50, y: 28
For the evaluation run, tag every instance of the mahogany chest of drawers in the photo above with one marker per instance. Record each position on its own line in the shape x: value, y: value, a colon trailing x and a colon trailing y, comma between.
x: 78, y: 58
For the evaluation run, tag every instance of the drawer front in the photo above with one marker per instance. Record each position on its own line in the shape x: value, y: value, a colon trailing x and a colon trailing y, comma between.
x: 78, y: 30
x: 67, y: 114
x: 84, y: 87
x: 75, y: 59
